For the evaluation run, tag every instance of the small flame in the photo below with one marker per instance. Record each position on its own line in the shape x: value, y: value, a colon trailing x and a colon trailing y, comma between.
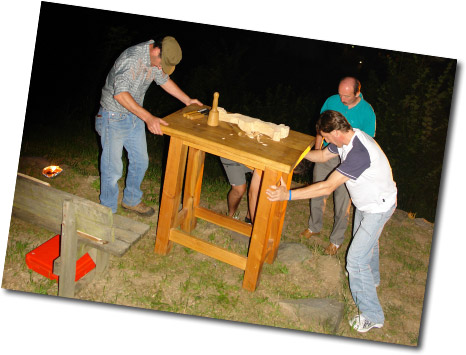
x: 51, y: 171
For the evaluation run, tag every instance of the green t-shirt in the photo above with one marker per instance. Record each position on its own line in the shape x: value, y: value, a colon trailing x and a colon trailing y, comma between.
x: 361, y: 116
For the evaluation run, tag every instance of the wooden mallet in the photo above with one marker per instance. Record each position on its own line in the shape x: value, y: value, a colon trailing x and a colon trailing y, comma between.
x: 213, y: 114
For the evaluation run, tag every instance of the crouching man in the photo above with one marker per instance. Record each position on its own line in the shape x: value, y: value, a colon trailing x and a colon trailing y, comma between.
x: 365, y: 170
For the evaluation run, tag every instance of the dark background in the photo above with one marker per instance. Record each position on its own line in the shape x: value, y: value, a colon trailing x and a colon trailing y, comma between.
x: 276, y: 78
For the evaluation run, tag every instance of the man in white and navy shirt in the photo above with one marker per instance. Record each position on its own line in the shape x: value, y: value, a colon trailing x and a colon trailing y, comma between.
x: 367, y: 174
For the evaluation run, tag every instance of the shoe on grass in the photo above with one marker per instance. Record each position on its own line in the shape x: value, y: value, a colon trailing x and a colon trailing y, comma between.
x: 141, y: 209
x: 331, y: 249
x: 307, y: 233
x: 362, y: 324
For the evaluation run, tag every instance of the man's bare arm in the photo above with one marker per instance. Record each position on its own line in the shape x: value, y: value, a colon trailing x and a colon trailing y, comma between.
x: 174, y: 90
x: 320, y: 155
x: 153, y: 123
x: 322, y: 188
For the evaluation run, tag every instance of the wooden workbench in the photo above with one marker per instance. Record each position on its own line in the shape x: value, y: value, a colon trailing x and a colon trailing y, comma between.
x: 190, y: 140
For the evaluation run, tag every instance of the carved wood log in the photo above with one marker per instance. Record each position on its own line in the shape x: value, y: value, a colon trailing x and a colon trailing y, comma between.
x: 252, y: 125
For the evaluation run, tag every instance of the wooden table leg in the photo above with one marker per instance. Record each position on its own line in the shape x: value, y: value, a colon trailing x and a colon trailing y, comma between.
x: 192, y: 187
x: 259, y: 239
x: 278, y: 217
x: 171, y: 194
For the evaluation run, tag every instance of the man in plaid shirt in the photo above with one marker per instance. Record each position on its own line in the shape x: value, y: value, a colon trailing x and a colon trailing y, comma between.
x: 121, y: 119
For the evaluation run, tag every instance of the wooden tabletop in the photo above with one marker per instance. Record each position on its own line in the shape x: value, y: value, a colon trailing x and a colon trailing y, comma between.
x: 224, y: 141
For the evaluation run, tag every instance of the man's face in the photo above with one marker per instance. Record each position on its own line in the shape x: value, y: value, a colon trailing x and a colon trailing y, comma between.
x: 332, y: 137
x: 347, y: 95
x: 155, y: 58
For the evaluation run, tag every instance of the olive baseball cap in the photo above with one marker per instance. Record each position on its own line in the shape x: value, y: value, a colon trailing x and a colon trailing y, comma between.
x: 171, y: 54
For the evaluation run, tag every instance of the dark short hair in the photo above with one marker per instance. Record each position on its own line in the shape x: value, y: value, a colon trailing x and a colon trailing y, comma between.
x: 356, y: 85
x: 158, y: 43
x: 332, y: 121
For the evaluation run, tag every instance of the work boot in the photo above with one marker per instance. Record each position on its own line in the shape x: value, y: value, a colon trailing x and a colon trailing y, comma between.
x: 332, y: 249
x: 141, y: 209
x: 307, y: 233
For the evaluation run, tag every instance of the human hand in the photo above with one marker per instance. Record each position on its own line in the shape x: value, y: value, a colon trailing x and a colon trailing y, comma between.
x: 194, y: 101
x: 153, y: 125
x: 277, y: 193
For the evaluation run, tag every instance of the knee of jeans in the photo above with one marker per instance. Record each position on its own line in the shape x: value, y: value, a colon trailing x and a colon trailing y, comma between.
x: 352, y: 263
x: 144, y: 161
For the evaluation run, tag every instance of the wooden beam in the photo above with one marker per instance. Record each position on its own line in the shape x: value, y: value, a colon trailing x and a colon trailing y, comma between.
x: 223, y: 221
x: 171, y: 193
x: 192, y: 187
x: 278, y: 217
x: 261, y: 231
x: 68, y: 251
x: 46, y: 204
x: 33, y: 179
x: 42, y: 205
x: 208, y: 249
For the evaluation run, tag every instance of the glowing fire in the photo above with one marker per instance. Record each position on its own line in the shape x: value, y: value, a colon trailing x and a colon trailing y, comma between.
x: 51, y: 171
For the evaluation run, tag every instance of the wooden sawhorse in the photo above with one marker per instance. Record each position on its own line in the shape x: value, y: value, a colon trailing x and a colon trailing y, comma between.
x: 85, y: 226
x: 190, y: 140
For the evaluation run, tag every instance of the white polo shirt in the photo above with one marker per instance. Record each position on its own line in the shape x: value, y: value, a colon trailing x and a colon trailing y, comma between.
x: 371, y: 184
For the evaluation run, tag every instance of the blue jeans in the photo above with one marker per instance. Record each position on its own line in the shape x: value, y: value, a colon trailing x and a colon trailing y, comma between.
x: 362, y: 262
x: 117, y: 131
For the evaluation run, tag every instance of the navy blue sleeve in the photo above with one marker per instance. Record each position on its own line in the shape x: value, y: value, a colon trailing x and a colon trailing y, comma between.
x: 332, y: 148
x: 356, y: 162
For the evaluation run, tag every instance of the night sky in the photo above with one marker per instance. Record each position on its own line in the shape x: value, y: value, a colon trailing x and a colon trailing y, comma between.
x: 76, y: 47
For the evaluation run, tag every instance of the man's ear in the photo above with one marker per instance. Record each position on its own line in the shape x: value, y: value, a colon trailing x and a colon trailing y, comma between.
x: 155, y: 51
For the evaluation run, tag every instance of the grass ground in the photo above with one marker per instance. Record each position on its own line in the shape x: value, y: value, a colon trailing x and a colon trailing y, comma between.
x: 187, y: 282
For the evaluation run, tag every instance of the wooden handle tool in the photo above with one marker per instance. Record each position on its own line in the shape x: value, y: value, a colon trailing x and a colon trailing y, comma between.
x: 213, y: 113
x: 195, y: 116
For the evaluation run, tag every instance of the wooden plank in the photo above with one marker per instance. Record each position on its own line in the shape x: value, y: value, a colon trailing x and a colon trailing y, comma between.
x: 122, y: 222
x: 260, y: 232
x: 84, y: 281
x: 180, y: 217
x: 34, y: 179
x: 127, y: 236
x: 278, y: 218
x: 171, y: 193
x: 208, y: 249
x: 193, y: 183
x: 47, y: 203
x: 39, y: 205
x: 68, y: 250
x: 223, y: 221
x: 119, y: 247
x: 100, y: 258
x: 46, y: 222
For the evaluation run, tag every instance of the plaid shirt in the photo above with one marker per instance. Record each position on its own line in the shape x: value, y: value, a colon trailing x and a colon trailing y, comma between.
x: 133, y: 73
